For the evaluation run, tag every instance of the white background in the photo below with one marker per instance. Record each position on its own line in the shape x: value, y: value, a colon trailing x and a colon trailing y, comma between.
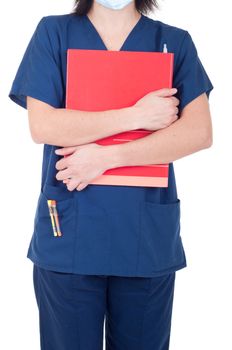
x: 202, y: 304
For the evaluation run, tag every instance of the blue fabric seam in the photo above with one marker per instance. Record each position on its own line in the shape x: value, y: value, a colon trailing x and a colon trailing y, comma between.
x: 157, y: 273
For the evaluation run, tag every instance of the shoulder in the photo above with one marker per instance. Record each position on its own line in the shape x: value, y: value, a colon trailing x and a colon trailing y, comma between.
x: 58, y: 21
x: 59, y: 27
x: 176, y: 37
x: 53, y: 28
x: 166, y: 28
x: 53, y: 22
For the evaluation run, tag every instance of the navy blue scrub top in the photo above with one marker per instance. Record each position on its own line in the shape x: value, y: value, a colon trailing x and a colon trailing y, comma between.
x: 110, y: 230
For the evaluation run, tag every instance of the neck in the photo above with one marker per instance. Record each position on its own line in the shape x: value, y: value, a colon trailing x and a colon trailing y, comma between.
x: 107, y: 18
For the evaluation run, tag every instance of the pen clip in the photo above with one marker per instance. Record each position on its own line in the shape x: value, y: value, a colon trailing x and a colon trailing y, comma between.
x: 165, y: 48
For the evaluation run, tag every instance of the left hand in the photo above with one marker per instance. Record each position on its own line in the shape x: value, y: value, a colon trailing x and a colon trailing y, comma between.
x: 84, y: 163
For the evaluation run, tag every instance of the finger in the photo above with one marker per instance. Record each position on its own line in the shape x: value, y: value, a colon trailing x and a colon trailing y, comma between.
x: 165, y: 92
x: 65, y: 150
x: 73, y: 183
x: 175, y: 100
x: 63, y: 163
x: 176, y: 111
x: 81, y: 186
x: 63, y: 174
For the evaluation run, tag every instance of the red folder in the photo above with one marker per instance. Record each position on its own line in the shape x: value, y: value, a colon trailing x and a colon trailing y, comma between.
x: 101, y: 80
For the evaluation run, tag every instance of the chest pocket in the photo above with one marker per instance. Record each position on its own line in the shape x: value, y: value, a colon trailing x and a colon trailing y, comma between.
x: 50, y: 249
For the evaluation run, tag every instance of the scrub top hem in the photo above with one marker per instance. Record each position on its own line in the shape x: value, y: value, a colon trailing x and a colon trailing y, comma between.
x: 116, y: 273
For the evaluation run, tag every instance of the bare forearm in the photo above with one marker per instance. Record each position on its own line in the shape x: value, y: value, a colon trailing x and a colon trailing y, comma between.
x: 160, y: 147
x: 65, y: 127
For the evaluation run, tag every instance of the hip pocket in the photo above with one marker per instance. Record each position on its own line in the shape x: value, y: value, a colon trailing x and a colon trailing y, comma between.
x: 47, y: 248
x: 160, y: 242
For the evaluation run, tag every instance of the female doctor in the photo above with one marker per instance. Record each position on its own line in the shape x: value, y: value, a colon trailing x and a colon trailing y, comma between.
x: 120, y: 245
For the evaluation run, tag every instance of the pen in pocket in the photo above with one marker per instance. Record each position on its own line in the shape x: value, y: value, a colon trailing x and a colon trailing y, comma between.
x: 54, y: 217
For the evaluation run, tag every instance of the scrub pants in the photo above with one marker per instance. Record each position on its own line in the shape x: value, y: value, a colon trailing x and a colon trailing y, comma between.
x: 73, y: 307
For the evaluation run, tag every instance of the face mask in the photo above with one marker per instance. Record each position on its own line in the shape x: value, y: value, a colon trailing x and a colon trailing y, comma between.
x: 114, y: 4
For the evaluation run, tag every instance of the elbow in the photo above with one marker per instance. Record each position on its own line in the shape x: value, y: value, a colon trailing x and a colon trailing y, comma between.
x: 209, y: 142
x: 37, y: 133
x: 36, y: 139
x: 207, y: 139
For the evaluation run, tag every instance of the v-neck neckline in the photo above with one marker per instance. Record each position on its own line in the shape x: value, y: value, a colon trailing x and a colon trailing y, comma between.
x: 136, y: 27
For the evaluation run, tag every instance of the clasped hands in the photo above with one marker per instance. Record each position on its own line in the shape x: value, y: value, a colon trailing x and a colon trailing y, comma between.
x: 82, y: 165
x: 156, y: 110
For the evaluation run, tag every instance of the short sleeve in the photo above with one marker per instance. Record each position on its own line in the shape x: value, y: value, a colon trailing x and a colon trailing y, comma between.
x: 190, y: 77
x: 39, y: 72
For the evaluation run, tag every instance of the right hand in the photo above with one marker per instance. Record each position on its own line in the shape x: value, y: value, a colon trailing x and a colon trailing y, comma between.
x: 157, y: 109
